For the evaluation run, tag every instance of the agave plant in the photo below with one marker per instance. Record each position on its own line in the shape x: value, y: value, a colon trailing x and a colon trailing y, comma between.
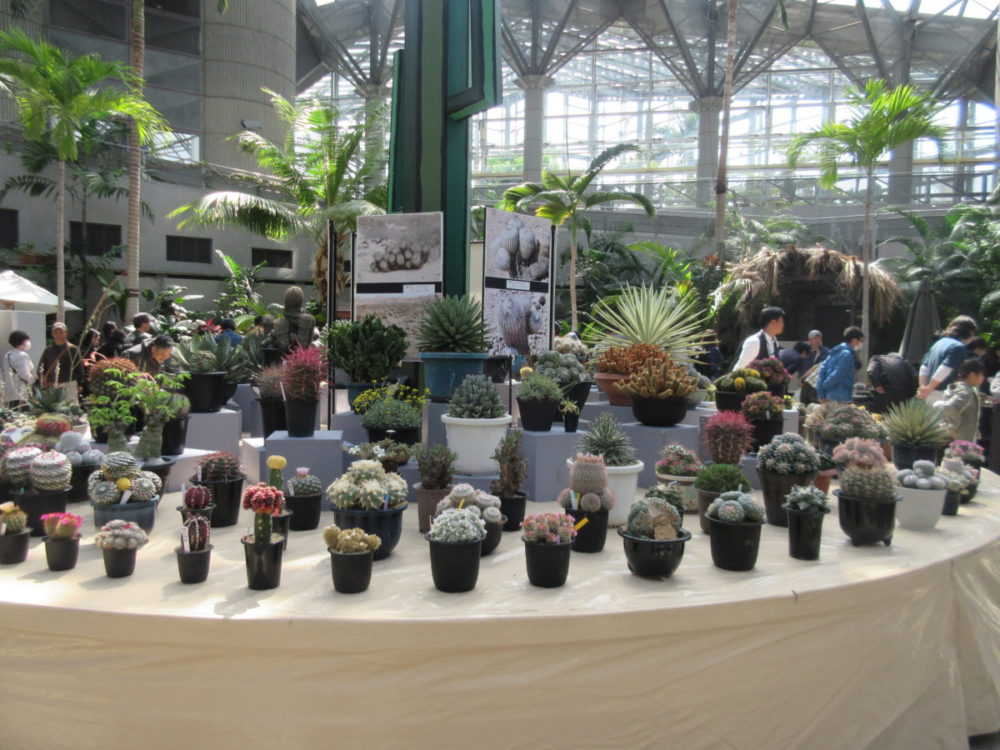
x: 233, y: 360
x: 917, y: 423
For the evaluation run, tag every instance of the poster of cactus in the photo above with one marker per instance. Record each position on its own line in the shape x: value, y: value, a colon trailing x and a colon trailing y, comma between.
x: 517, y: 246
x: 399, y: 248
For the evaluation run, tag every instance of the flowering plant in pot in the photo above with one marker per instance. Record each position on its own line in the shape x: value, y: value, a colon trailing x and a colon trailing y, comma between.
x: 268, y: 385
x: 570, y: 412
x: 436, y: 466
x: 121, y: 489
x: 455, y: 538
x: 394, y: 411
x: 369, y: 497
x: 733, y: 387
x: 922, y: 496
x: 711, y: 482
x: 305, y: 370
x: 605, y: 438
x: 538, y: 399
x: 735, y: 539
x: 352, y: 552
x: 728, y: 436
x: 194, y: 554
x: 223, y: 474
x: 483, y: 504
x: 764, y: 411
x: 388, y: 452
x: 475, y: 423
x: 783, y: 463
x: 41, y: 480
x: 916, y: 431
x: 618, y: 363
x: 119, y: 541
x: 679, y: 465
x: 452, y: 343
x: 805, y: 506
x: 773, y: 373
x: 304, y: 499
x: 263, y: 548
x: 659, y: 391
x: 62, y: 540
x: 971, y: 453
x: 14, y: 533
x: 548, y: 539
x: 589, y: 500
x: 867, y: 496
x: 367, y: 350
x: 513, y: 468
x: 653, y: 537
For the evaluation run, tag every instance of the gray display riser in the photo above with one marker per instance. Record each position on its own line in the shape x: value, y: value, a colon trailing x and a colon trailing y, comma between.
x: 592, y: 408
x: 249, y: 411
x: 748, y: 465
x: 215, y: 431
x: 546, y: 454
x: 434, y: 432
x: 322, y: 453
x: 349, y: 423
x: 648, y: 441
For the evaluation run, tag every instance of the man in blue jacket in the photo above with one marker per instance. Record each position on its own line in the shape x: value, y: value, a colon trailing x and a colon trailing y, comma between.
x: 939, y: 367
x: 836, y: 374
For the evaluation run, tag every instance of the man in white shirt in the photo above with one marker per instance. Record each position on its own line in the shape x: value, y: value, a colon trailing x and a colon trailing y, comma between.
x: 764, y: 343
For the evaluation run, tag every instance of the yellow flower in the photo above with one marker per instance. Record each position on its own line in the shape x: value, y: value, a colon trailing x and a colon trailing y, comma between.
x: 276, y: 462
x: 525, y: 372
x: 123, y: 484
x: 751, y: 373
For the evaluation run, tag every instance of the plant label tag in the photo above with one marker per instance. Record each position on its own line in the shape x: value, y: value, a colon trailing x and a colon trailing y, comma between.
x: 199, y: 473
x: 185, y: 542
x: 581, y: 523
x: 184, y: 487
x: 125, y: 496
x: 417, y: 290
x: 520, y: 286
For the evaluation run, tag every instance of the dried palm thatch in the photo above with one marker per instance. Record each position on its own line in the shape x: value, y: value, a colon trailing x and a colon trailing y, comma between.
x: 766, y: 276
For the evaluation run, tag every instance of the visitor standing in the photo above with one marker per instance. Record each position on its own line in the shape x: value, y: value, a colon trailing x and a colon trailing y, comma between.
x: 61, y: 365
x: 113, y: 346
x: 939, y: 367
x: 143, y: 325
x: 764, y: 343
x: 89, y: 343
x: 836, y: 374
x: 18, y: 369
x: 817, y: 352
x: 893, y: 379
x: 960, y: 406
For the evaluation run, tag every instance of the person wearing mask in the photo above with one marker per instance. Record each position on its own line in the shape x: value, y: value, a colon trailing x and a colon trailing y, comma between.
x: 229, y: 332
x: 18, y: 369
x: 939, y: 367
x: 143, y: 325
x: 836, y: 373
x: 151, y: 357
x: 893, y: 379
x: 960, y: 406
x: 764, y: 343
x: 61, y: 365
x: 113, y: 345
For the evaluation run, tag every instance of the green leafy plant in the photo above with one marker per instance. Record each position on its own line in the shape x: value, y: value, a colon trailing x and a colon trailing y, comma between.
x: 538, y: 387
x: 366, y: 350
x: 720, y: 478
x: 452, y: 324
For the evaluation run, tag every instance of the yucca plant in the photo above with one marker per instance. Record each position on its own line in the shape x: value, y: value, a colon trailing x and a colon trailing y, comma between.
x: 917, y: 423
x: 452, y: 324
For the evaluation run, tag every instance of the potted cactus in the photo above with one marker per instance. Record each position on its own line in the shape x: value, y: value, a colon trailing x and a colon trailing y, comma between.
x: 728, y: 436
x: 121, y: 489
x: 222, y: 473
x: 388, y: 452
x: 392, y: 412
x: 435, y: 465
x: 455, y: 539
x: 833, y: 425
x: 917, y: 432
x: 605, y: 438
x: 474, y: 425
x: 14, y: 533
x: 537, y: 400
x: 62, y: 540
x: 548, y: 539
x: 119, y: 541
x: 659, y: 391
x: 351, y: 554
x: 973, y: 455
x: 267, y: 385
x: 194, y: 553
x: 670, y: 493
x: 280, y: 521
x: 159, y: 402
x: 732, y: 388
x: 960, y: 478
x: 922, y: 494
x: 589, y: 500
x: 711, y: 482
x: 567, y: 370
x: 653, y: 537
x: 513, y: 472
x: 305, y: 370
x: 805, y: 506
x: 735, y: 520
x: 304, y: 498
x: 484, y: 505
x: 773, y: 373
x: 765, y: 412
x: 785, y: 462
x: 82, y: 457
x: 618, y: 363
x: 570, y: 412
x: 263, y: 548
x: 49, y: 477
x: 367, y: 496
x: 680, y: 466
x: 867, y: 496
x: 452, y: 343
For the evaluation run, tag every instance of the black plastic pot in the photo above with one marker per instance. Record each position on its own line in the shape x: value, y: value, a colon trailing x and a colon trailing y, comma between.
x: 971, y: 490
x: 352, y: 573
x: 729, y: 400
x: 734, y: 545
x: 903, y: 456
x: 591, y: 536
x: 407, y: 435
x: 494, y: 533
x: 272, y: 415
x: 579, y: 394
x: 61, y: 554
x: 281, y: 524
x: 654, y: 558
x: 161, y: 467
x: 205, y: 391
x: 387, y: 525
x: 455, y: 565
x: 175, y: 436
x: 775, y: 487
x: 805, y: 528
x: 548, y: 564
x: 659, y: 412
x: 571, y: 422
x: 513, y: 509
x: 705, y: 499
x: 865, y: 521
x: 305, y: 510
x: 778, y: 390
x: 228, y: 497
x: 119, y: 563
x: 228, y: 391
x: 37, y: 504
x: 193, y: 566
x: 952, y: 499
x: 300, y: 418
x: 189, y: 513
x: 14, y: 547
x: 78, y: 483
x: 101, y: 435
x: 143, y: 513
x: 263, y: 565
x: 537, y: 415
x: 764, y: 431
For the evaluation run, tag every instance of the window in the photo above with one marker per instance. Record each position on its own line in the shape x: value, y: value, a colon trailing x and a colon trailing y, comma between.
x: 189, y: 249
x: 8, y: 228
x: 273, y: 258
x: 101, y: 238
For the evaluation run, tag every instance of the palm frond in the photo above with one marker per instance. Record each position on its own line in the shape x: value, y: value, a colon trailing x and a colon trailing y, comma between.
x: 263, y: 216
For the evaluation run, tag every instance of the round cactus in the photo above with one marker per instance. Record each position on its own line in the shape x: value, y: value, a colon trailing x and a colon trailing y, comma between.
x: 13, y: 519
x: 120, y: 464
x: 731, y: 511
x: 104, y: 492
x: 52, y: 425
x: 492, y: 515
x: 197, y: 497
x: 119, y: 534
x: 144, y: 487
x: 71, y: 441
x: 92, y: 457
x: 654, y: 518
x: 50, y: 472
x: 17, y: 464
x: 588, y: 480
x: 304, y: 483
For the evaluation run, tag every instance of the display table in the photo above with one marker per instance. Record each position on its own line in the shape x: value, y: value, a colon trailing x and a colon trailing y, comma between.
x: 883, y: 647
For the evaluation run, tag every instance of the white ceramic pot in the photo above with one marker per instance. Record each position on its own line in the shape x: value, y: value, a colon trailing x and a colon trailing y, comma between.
x: 919, y: 510
x: 623, y: 481
x: 475, y: 440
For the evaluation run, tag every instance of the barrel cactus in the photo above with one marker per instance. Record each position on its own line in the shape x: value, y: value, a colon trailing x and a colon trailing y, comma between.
x: 50, y: 472
x: 104, y: 492
x: 12, y: 518
x: 304, y: 483
x: 120, y: 464
x: 17, y: 464
x: 220, y: 467
x: 197, y: 497
x: 736, y: 507
x: 144, y: 487
x: 120, y: 535
x: 588, y: 485
x: 52, y: 425
x: 654, y: 518
x: 866, y: 484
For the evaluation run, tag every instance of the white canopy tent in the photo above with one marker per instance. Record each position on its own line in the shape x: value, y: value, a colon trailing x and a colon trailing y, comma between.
x: 17, y: 293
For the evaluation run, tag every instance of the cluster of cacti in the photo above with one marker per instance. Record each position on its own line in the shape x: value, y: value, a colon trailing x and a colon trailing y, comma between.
x: 452, y: 324
x: 455, y: 526
x: 62, y: 525
x: 403, y: 257
x: 736, y: 507
x: 859, y: 452
x: 728, y: 436
x: 103, y: 374
x: 436, y: 466
x: 771, y: 370
x: 923, y: 476
x: 571, y: 345
x: 867, y: 484
x: 476, y: 397
x: 744, y: 380
x: 482, y: 504
x: 17, y: 464
x: 220, y: 467
x: 959, y: 475
x: 512, y: 463
x: 538, y: 387
x: 52, y: 425
x: 966, y: 450
x: 807, y: 497
x: 548, y: 528
x: 762, y: 405
x: 269, y: 382
x: 520, y: 253
x: 839, y: 422
x: 626, y: 360
x: 588, y: 485
x: 788, y: 454
x: 145, y: 487
x: 367, y: 486
x: 670, y: 493
x: 202, y: 361
x: 198, y: 531
x: 916, y: 422
x: 275, y: 465
x: 121, y: 535
x: 564, y: 368
x: 658, y: 379
x: 77, y: 449
x: 350, y: 541
x: 50, y: 472
x: 607, y: 439
x: 197, y: 497
x: 654, y: 518
x: 13, y: 520
x: 305, y: 370
x: 304, y: 483
x: 142, y: 487
x: 388, y: 452
x: 265, y: 501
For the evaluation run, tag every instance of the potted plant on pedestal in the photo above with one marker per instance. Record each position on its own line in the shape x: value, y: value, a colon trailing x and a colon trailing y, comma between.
x: 369, y: 497
x: 194, y: 555
x: 351, y: 554
x: 922, y: 496
x: 159, y: 402
x: 119, y: 541
x: 205, y: 386
x: 109, y: 416
x: 785, y: 462
x: 773, y: 373
x: 867, y: 496
x: 394, y: 412
x: 196, y: 501
x: 120, y: 489
x: 548, y: 538
x: 805, y: 507
x: 733, y: 387
x: 765, y: 412
x: 570, y: 412
x: 959, y: 477
x: 304, y: 500
x: 222, y: 473
x: 653, y: 538
x: 605, y: 438
x: 973, y: 455
x: 305, y: 371
x: 735, y: 520
x: 452, y: 343
x: 367, y: 350
x: 62, y: 540
x: 680, y: 466
x: 48, y: 480
x: 14, y: 534
x: 567, y: 370
x: 513, y: 472
x: 263, y: 548
x: 711, y: 482
x: 659, y: 391
x: 589, y: 501
x: 474, y: 425
x: 267, y: 384
x: 455, y: 539
x: 827, y: 471
x: 700, y: 393
x: 484, y: 505
x: 618, y: 363
x: 435, y: 465
x: 727, y: 436
x: 538, y: 399
x: 917, y: 432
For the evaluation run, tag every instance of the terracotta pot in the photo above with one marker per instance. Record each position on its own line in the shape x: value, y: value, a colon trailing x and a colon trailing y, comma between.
x: 606, y: 381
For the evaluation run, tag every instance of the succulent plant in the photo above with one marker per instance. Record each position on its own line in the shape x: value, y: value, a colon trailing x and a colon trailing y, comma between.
x: 626, y: 360
x: 120, y: 464
x: 788, y: 454
x: 305, y: 370
x: 720, y: 478
x: 52, y: 425
x: 966, y: 450
x: 476, y: 398
x: 304, y: 483
x: 588, y: 485
x: 538, y: 387
x: 743, y: 380
x: 728, y: 436
x: 12, y: 518
x: 17, y: 464
x: 350, y: 541
x: 202, y: 361
x: 736, y: 507
x: 917, y: 423
x: 678, y: 461
x: 387, y: 452
x: 367, y: 350
x: 960, y: 476
x: 50, y: 472
x: 436, y: 466
x: 197, y: 497
x: 763, y: 406
x: 265, y: 501
x: 659, y: 379
x: 367, y: 486
x: 859, y: 452
x: 452, y: 324
x: 867, y: 483
x: 269, y: 382
x: 838, y: 422
x: 145, y: 487
x: 808, y: 498
x: 220, y: 467
x: 455, y: 526
x: 513, y: 465
x: 564, y: 368
x: 606, y: 438
x: 771, y: 370
x: 482, y: 504
x: 102, y: 491
x: 548, y: 528
x: 198, y: 531
x: 570, y: 345
x: 71, y: 441
x: 62, y: 525
x: 923, y: 476
x: 121, y: 535
x: 391, y: 414
x: 653, y: 518
x: 670, y: 493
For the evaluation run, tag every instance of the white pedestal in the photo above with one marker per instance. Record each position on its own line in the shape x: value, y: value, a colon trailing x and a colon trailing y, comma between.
x: 249, y: 411
x: 217, y: 431
x: 546, y: 454
x: 185, y: 467
x: 322, y: 453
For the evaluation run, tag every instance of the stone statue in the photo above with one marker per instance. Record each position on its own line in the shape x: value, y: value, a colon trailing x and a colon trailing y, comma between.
x: 296, y: 327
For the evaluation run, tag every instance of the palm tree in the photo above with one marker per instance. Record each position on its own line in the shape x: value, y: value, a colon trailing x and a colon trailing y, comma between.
x: 882, y: 119
x: 56, y: 96
x: 564, y: 199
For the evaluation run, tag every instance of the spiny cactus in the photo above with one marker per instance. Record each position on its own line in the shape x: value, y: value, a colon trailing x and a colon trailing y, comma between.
x: 12, y: 518
x: 50, y: 472
x: 304, y: 483
x: 736, y: 507
x: 350, y: 541
x: 659, y: 380
x: 456, y: 526
x: 197, y: 497
x: 728, y: 436
x: 120, y: 535
x: 513, y: 465
x: 654, y: 518
x: 17, y: 464
x: 482, y: 504
x: 476, y: 398
x: 276, y: 465
x: 102, y: 491
x: 198, y: 531
x: 548, y: 528
x: 102, y: 373
x: 436, y: 466
x: 305, y: 369
x: 145, y: 487
x: 788, y: 454
x: 565, y: 369
x: 670, y: 493
x: 220, y: 467
x: 265, y: 501
x: 867, y: 484
x: 606, y: 438
x: 588, y: 485
x: 452, y: 324
x: 62, y: 525
x: 120, y: 464
x: 52, y: 425
x: 860, y: 453
x: 71, y: 441
x: 807, y: 498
